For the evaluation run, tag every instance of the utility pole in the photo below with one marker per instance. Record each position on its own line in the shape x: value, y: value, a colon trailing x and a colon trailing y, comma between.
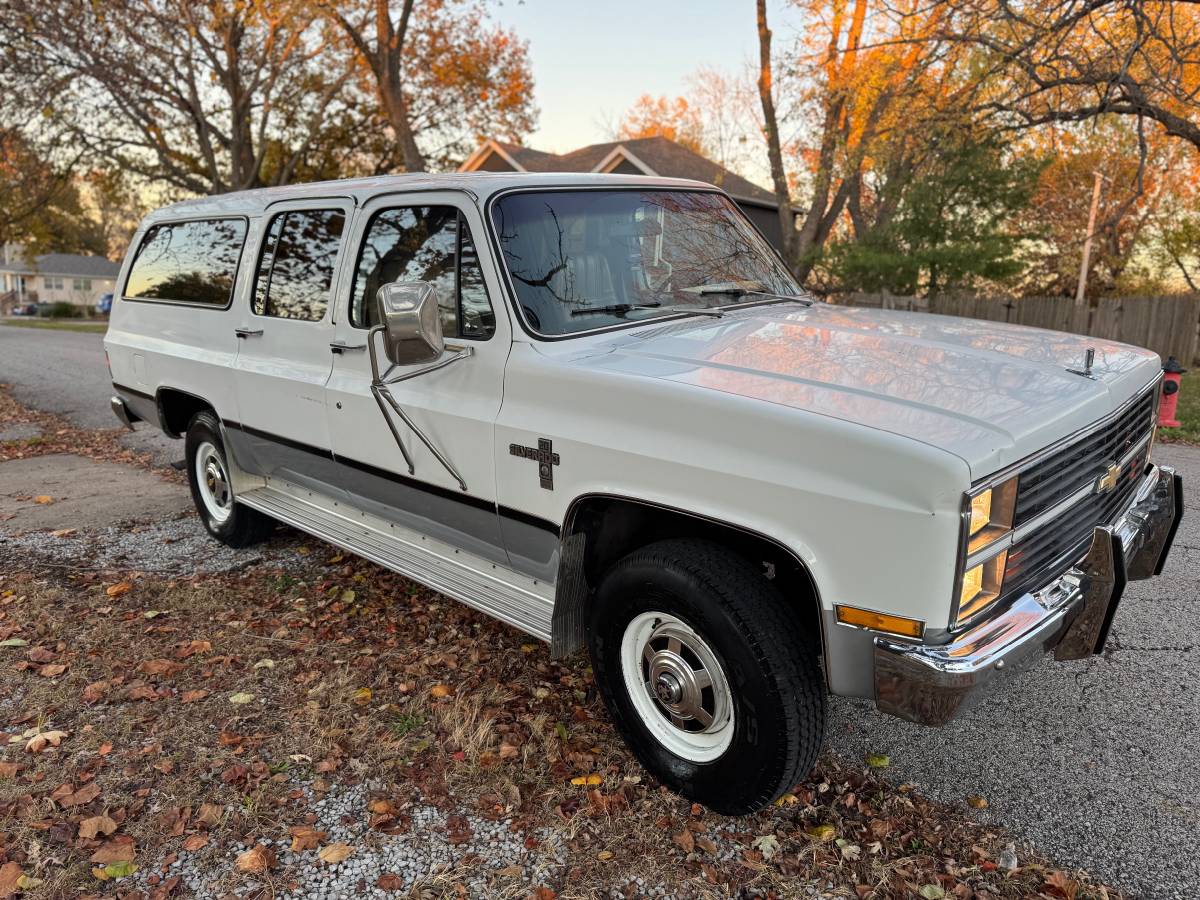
x: 1087, y: 242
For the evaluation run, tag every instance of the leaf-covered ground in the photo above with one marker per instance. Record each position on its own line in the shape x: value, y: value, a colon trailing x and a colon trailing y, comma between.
x: 323, y: 727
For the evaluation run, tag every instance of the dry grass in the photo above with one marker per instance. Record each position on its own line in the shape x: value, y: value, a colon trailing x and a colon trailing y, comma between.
x: 355, y: 675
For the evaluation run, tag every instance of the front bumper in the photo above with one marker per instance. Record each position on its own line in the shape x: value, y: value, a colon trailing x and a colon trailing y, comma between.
x: 1071, y: 615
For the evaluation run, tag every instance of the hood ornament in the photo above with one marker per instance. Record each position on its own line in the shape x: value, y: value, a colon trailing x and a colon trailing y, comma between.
x: 1088, y: 358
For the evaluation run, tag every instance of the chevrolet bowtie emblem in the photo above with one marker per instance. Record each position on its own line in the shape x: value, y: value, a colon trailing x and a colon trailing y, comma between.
x: 1108, y: 481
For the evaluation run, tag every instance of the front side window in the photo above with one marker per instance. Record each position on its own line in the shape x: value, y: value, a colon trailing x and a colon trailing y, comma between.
x: 188, y: 262
x: 580, y: 260
x: 424, y: 243
x: 298, y: 263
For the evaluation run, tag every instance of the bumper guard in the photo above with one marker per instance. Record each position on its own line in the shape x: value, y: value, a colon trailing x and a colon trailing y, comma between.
x: 1071, y: 616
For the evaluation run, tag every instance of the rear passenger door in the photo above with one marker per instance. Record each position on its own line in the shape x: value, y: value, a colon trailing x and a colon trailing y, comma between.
x: 284, y: 336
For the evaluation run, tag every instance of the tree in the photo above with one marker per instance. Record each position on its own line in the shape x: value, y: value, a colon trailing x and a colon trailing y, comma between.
x: 1067, y: 61
x: 677, y: 120
x: 442, y: 74
x: 952, y: 228
x: 207, y: 97
x: 40, y: 206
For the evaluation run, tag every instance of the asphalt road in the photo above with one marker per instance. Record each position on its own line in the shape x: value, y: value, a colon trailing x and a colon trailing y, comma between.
x: 1095, y: 762
x: 64, y: 372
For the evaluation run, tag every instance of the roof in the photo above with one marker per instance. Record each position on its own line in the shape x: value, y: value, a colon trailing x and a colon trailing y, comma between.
x: 653, y: 155
x: 479, y: 185
x: 69, y: 264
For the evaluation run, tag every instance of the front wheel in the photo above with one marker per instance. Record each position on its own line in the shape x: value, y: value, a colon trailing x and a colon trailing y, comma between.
x: 708, y: 674
x: 212, y: 487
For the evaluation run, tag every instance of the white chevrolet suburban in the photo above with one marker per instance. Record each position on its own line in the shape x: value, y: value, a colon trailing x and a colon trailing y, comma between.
x: 600, y: 409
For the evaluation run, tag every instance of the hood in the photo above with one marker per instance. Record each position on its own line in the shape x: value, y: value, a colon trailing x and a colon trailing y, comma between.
x: 988, y: 392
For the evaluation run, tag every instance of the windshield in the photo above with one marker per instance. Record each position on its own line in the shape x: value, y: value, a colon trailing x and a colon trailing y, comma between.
x: 580, y: 260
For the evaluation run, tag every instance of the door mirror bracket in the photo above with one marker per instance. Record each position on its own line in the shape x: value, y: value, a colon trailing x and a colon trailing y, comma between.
x: 411, y: 328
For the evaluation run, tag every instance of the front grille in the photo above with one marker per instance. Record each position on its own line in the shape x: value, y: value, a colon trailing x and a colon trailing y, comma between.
x: 1058, y: 476
x: 1059, y: 543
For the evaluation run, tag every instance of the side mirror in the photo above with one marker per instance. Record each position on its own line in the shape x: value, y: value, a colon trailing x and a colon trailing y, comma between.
x: 408, y: 312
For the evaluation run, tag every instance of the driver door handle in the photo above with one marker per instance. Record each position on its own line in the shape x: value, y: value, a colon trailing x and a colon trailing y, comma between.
x: 248, y: 332
x: 342, y: 346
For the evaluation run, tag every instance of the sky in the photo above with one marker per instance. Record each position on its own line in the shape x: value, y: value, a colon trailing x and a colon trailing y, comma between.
x: 592, y: 59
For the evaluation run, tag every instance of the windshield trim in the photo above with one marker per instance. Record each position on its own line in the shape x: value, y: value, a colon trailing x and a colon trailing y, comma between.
x: 511, y: 291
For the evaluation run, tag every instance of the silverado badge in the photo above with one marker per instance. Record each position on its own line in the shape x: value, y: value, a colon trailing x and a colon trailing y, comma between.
x: 1108, y: 480
x: 545, y: 457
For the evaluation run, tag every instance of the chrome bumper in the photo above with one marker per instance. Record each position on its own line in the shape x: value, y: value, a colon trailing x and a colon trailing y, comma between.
x: 122, y: 412
x: 1070, y: 616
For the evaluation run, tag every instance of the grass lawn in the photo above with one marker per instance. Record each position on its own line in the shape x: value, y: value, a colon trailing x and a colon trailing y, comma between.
x: 58, y: 324
x: 1188, y: 412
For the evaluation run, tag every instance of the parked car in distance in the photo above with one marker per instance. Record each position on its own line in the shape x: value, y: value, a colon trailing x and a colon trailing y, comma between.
x: 600, y: 409
x: 104, y: 304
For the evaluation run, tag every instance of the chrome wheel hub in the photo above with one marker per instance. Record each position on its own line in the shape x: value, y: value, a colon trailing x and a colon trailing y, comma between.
x: 216, y: 493
x: 678, y: 686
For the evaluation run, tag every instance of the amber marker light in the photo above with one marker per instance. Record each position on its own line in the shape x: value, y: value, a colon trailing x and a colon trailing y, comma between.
x: 865, y: 618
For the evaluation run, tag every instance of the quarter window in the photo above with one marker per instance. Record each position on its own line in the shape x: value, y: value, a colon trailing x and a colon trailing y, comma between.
x: 188, y: 262
x: 298, y: 262
x: 424, y: 243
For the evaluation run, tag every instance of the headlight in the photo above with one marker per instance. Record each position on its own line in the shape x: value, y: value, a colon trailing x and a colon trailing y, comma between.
x: 987, y: 522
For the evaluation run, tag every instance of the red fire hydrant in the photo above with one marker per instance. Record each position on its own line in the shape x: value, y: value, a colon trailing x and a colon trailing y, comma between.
x: 1172, y: 371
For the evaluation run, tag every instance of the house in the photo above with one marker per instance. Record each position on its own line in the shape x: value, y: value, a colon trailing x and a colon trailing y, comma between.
x: 636, y: 156
x: 53, y: 278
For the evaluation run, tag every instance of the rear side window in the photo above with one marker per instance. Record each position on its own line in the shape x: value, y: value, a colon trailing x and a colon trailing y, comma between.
x: 299, y: 259
x: 188, y: 262
x: 424, y: 243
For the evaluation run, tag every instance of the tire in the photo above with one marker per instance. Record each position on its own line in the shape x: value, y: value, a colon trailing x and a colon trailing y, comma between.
x: 208, y: 469
x: 695, y: 603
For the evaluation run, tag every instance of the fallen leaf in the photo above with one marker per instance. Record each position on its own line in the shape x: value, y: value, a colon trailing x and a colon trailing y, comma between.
x: 878, y: 760
x: 932, y: 892
x: 441, y: 690
x: 115, y: 870
x: 44, y: 739
x: 788, y: 799
x: 241, y: 698
x: 116, y: 850
x: 587, y: 780
x: 14, y: 642
x: 43, y: 499
x: 362, y: 696
x: 821, y: 832
x: 85, y: 794
x: 305, y: 837
x: 9, y: 769
x: 706, y: 844
x: 389, y: 881
x: 767, y: 845
x: 52, y: 671
x: 10, y: 875
x: 977, y: 802
x: 265, y: 664
x: 95, y: 691
x: 335, y: 853
x: 604, y: 855
x: 686, y: 840
x: 116, y: 590
x: 96, y: 825
x: 191, y: 648
x: 159, y: 667
x: 195, y: 842
x: 193, y: 696
x: 257, y: 859
x: 209, y: 814
x: 62, y: 532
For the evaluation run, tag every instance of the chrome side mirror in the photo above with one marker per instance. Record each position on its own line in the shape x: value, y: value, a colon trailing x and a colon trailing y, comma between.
x: 408, y: 312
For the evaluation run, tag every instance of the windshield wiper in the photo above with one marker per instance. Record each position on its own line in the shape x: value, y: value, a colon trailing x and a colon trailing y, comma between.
x: 622, y: 308
x: 731, y: 289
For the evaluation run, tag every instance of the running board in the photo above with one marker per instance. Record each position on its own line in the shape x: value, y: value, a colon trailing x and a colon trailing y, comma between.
x: 483, y: 585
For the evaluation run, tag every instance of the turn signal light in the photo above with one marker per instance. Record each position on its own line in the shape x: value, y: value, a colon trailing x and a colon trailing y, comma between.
x: 865, y: 618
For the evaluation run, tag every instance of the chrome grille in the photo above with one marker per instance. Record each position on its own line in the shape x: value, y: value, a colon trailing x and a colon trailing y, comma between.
x: 1059, y: 543
x: 1052, y: 480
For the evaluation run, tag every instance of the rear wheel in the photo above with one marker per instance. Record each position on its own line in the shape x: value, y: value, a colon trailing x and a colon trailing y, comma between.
x: 708, y: 674
x: 212, y: 487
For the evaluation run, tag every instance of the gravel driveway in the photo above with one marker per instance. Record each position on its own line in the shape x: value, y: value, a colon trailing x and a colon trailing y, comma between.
x: 1093, y: 761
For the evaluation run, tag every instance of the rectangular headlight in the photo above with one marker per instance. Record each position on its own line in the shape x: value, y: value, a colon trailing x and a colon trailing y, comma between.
x: 987, y: 520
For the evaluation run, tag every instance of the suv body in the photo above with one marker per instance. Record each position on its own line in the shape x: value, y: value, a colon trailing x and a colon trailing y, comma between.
x: 634, y: 401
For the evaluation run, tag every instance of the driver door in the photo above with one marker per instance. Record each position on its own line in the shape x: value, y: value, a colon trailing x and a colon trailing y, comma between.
x: 435, y: 237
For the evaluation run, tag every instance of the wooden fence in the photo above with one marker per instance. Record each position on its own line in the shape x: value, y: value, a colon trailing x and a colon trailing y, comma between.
x: 1170, y: 325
